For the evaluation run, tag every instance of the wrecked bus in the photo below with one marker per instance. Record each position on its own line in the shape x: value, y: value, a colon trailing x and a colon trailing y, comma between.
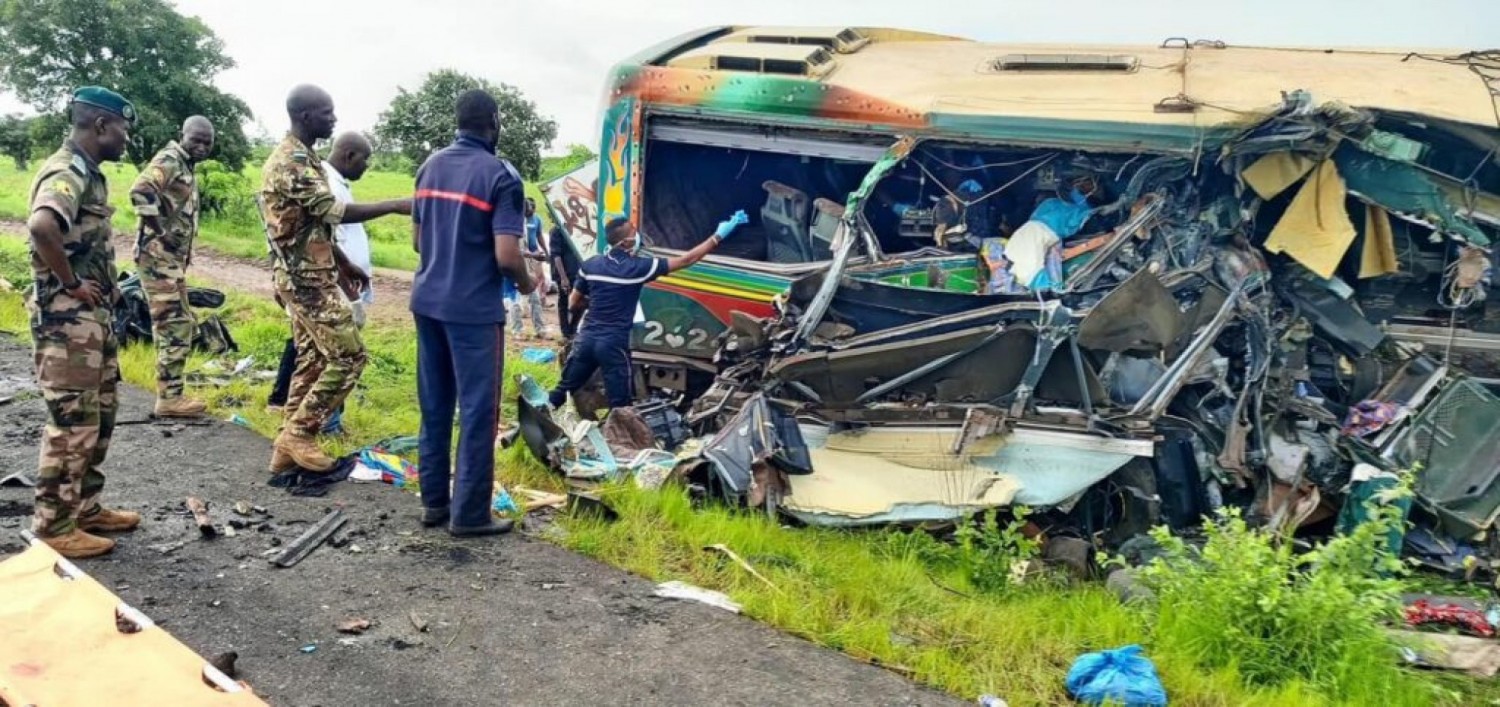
x: 1193, y: 274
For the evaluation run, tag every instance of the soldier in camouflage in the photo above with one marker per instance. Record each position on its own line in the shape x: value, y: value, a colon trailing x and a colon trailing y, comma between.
x: 72, y: 312
x: 313, y: 278
x: 165, y: 197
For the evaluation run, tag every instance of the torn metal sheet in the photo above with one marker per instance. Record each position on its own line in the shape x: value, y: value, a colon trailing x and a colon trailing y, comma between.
x: 895, y: 474
x: 755, y: 451
x: 1140, y: 317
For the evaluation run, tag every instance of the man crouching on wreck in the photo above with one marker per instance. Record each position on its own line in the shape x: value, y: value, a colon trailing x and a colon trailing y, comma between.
x: 609, y: 286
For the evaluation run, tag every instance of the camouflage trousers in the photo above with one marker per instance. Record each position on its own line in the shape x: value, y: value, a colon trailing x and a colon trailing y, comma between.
x: 330, y: 353
x: 77, y: 370
x: 172, y: 325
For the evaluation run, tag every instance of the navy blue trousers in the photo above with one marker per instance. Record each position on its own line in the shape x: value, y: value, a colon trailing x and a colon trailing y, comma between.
x: 459, y: 364
x: 607, y: 354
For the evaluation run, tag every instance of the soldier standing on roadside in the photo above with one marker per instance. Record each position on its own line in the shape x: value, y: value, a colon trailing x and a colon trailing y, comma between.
x: 165, y: 197
x: 72, y: 313
x: 312, y: 277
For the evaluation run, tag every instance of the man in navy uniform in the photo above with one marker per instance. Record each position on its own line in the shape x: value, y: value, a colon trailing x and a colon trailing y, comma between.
x: 609, y: 286
x: 468, y: 223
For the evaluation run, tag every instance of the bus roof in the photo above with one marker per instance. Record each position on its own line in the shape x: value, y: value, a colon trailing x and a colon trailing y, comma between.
x: 1224, y: 84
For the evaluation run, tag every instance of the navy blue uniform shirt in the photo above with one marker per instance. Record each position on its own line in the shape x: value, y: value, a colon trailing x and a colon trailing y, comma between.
x: 466, y: 198
x: 613, y: 283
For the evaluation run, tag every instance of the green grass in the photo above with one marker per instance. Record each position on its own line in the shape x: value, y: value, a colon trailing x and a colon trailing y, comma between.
x: 884, y: 597
x: 390, y: 237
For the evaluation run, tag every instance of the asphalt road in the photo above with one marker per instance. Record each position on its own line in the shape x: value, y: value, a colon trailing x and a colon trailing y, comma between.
x: 512, y: 621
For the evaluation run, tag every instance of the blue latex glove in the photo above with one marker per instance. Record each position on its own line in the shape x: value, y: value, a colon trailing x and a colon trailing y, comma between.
x: 969, y: 186
x: 726, y: 228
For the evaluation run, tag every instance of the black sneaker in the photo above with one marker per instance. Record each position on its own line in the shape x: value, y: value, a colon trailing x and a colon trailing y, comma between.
x: 499, y: 527
x: 434, y: 517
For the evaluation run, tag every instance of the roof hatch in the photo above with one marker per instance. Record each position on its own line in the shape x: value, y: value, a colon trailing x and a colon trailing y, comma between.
x: 1049, y: 63
x: 843, y: 40
x: 792, y: 60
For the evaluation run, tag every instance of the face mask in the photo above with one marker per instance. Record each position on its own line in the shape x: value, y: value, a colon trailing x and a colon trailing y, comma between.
x: 635, y: 247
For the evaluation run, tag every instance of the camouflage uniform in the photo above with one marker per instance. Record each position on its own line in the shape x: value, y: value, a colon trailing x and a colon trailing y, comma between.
x: 74, y: 343
x: 301, y: 214
x: 168, y: 189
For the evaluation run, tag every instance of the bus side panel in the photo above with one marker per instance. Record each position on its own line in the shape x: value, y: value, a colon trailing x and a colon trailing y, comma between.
x: 687, y: 311
x: 619, y: 163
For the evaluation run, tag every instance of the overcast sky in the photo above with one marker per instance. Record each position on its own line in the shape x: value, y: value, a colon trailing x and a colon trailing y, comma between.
x: 557, y: 51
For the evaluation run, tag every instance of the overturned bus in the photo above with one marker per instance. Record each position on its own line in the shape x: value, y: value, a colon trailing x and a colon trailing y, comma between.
x: 980, y: 275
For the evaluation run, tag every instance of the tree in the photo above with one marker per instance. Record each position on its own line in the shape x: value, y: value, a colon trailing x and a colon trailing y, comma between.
x: 160, y: 60
x: 418, y: 123
x: 15, y: 139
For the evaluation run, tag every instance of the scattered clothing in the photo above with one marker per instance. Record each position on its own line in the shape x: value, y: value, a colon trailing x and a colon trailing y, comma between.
x: 378, y: 463
x: 1467, y: 620
x: 1368, y: 417
x: 300, y: 482
x: 1001, y: 281
x: 1027, y: 251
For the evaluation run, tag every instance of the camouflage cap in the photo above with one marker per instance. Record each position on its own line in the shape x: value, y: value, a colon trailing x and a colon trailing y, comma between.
x: 105, y: 99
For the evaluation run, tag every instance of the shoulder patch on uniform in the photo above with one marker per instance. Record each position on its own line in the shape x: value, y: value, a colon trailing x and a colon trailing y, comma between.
x: 62, y: 186
x: 299, y: 157
x: 79, y: 165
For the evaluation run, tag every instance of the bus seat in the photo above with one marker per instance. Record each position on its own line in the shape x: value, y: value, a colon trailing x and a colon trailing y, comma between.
x: 784, y: 218
x: 825, y: 223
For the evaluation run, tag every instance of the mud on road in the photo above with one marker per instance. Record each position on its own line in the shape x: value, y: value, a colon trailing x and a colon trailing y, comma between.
x: 516, y: 620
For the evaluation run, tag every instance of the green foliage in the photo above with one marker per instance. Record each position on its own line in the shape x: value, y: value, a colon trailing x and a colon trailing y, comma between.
x: 157, y: 58
x: 15, y: 266
x: 15, y: 139
x: 226, y: 194
x: 995, y: 557
x: 554, y: 167
x: 992, y: 558
x: 417, y: 123
x: 1247, y: 601
x: 47, y: 132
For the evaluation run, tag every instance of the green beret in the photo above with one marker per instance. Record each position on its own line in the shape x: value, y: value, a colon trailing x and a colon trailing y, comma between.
x: 105, y: 99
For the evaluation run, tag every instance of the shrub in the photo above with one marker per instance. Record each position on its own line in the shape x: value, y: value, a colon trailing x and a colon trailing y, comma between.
x: 1246, y: 601
x: 224, y: 194
x: 991, y: 557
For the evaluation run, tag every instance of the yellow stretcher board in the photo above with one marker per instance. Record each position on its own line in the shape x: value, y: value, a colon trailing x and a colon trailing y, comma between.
x: 69, y: 641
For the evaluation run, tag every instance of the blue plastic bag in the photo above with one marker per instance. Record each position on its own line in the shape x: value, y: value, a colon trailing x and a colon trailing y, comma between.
x: 539, y: 355
x: 1122, y: 675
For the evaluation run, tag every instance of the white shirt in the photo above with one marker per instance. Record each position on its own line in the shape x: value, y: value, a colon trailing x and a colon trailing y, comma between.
x: 351, y: 236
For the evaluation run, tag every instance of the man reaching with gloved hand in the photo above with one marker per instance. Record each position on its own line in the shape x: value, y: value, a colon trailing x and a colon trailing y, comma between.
x: 609, y: 286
